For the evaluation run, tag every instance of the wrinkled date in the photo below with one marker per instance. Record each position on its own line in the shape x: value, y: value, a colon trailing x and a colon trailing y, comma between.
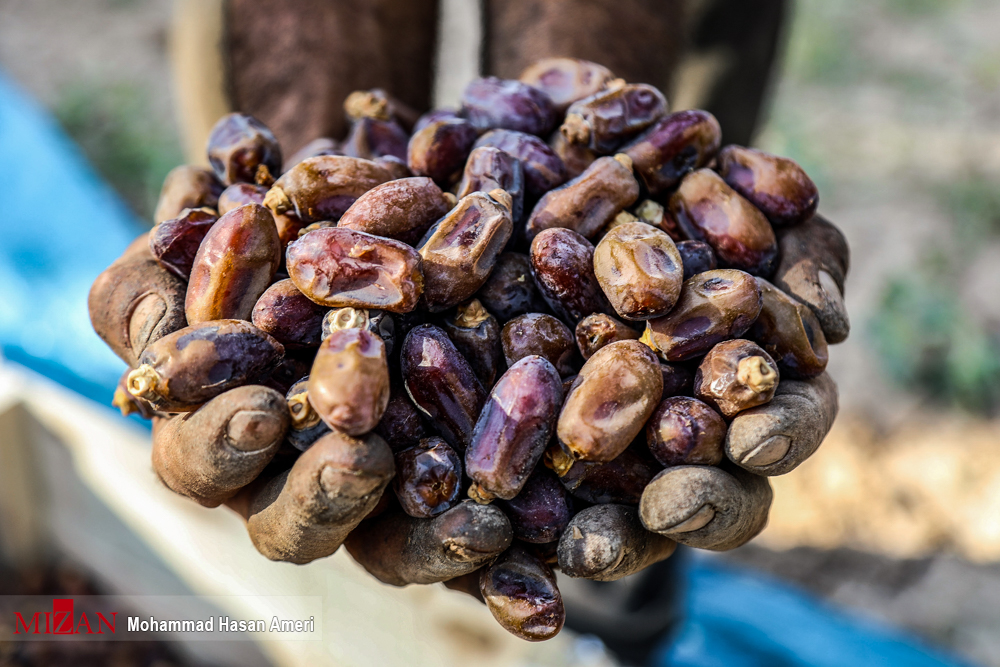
x: 595, y: 331
x: 186, y: 187
x: 543, y: 170
x: 315, y: 148
x: 713, y: 306
x: 490, y: 103
x: 403, y: 209
x: 672, y: 148
x: 324, y: 187
x: 588, y: 202
x: 307, y: 427
x: 380, y: 105
x: 562, y: 263
x: 513, y: 429
x: 440, y: 149
x: 288, y: 315
x: 428, y: 478
x: 371, y: 138
x: 686, y: 431
x: 736, y: 375
x: 575, y: 157
x: 476, y: 334
x: 490, y: 168
x: 814, y: 263
x: 776, y: 185
x: 188, y: 367
x: 615, y: 393
x: 697, y: 257
x: 640, y: 270
x: 441, y: 383
x: 236, y: 261
x: 377, y: 322
x: 620, y: 480
x: 241, y: 149
x: 341, y: 267
x: 174, y: 243
x: 604, y: 121
x: 510, y: 290
x: 459, y: 251
x: 542, y: 335
x: 790, y: 333
x: 566, y: 80
x: 349, y: 381
x: 401, y: 425
x: 707, y: 209
x: 241, y: 194
x: 520, y: 591
x: 540, y: 512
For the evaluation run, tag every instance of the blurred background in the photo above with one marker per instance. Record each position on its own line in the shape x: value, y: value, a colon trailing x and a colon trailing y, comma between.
x: 893, y: 108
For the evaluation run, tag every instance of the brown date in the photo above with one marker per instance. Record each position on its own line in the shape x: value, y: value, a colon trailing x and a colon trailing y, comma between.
x: 605, y: 120
x: 490, y: 168
x: 543, y: 170
x: 541, y: 334
x: 441, y: 383
x: 315, y: 148
x: 241, y: 149
x: 395, y: 167
x: 402, y: 425
x: 288, y: 315
x: 433, y: 116
x: 459, y: 251
x: 776, y: 185
x: 562, y: 263
x: 490, y: 103
x: 697, y: 257
x: 349, y: 381
x: 174, y: 243
x: 790, y: 333
x: 540, y: 512
x: 428, y: 478
x: 476, y: 334
x: 377, y: 322
x: 686, y: 431
x: 341, y: 267
x: 520, y: 591
x: 513, y: 429
x: 380, y: 105
x: 595, y: 331
x: 235, y: 263
x: 714, y: 306
x: 673, y: 147
x: 566, y: 80
x: 813, y: 267
x: 440, y: 149
x: 706, y: 209
x: 241, y: 194
x: 736, y: 375
x: 184, y: 369
x: 323, y: 187
x: 186, y: 187
x: 615, y: 393
x: 370, y: 138
x: 588, y: 202
x: 575, y: 157
x: 510, y: 290
x: 402, y: 209
x: 640, y: 270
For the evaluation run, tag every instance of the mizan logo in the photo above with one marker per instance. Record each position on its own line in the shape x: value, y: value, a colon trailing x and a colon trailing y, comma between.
x: 62, y: 621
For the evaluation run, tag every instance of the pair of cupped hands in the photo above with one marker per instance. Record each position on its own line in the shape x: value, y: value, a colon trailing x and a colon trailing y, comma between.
x: 232, y: 451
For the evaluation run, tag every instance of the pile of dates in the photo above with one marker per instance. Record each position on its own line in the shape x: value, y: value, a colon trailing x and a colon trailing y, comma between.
x: 539, y: 302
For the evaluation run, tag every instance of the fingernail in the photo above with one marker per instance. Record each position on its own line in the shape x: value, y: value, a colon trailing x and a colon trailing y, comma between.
x: 145, y: 316
x: 770, y: 451
x: 253, y: 430
x: 337, y: 482
x: 699, y: 519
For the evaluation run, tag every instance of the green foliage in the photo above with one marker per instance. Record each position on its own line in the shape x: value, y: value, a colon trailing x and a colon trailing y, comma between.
x: 930, y: 344
x: 113, y: 125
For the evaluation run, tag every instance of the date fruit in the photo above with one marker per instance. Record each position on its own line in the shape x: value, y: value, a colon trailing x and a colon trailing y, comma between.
x: 736, y: 375
x: 428, y: 478
x: 174, y: 243
x: 543, y: 170
x: 288, y: 315
x: 341, y: 267
x: 605, y: 120
x: 776, y: 185
x: 402, y: 209
x: 513, y: 429
x: 595, y: 331
x: 520, y: 591
x: 686, y: 431
x: 562, y: 263
x: 543, y: 335
x: 476, y: 334
x: 490, y: 168
x: 490, y: 103
x: 640, y: 270
x: 674, y: 147
x: 540, y: 512
x: 697, y: 257
x: 377, y: 322
x: 241, y: 194
x: 324, y: 187
x: 790, y: 333
x: 186, y: 187
x: 241, y: 149
x: 440, y: 149
x: 566, y: 80
x: 510, y: 290
x: 349, y: 381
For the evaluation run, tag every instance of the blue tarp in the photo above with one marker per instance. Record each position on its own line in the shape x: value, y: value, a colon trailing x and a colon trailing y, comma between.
x: 61, y: 225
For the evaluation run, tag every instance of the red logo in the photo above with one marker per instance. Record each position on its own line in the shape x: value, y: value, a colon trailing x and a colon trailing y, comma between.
x: 62, y: 621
